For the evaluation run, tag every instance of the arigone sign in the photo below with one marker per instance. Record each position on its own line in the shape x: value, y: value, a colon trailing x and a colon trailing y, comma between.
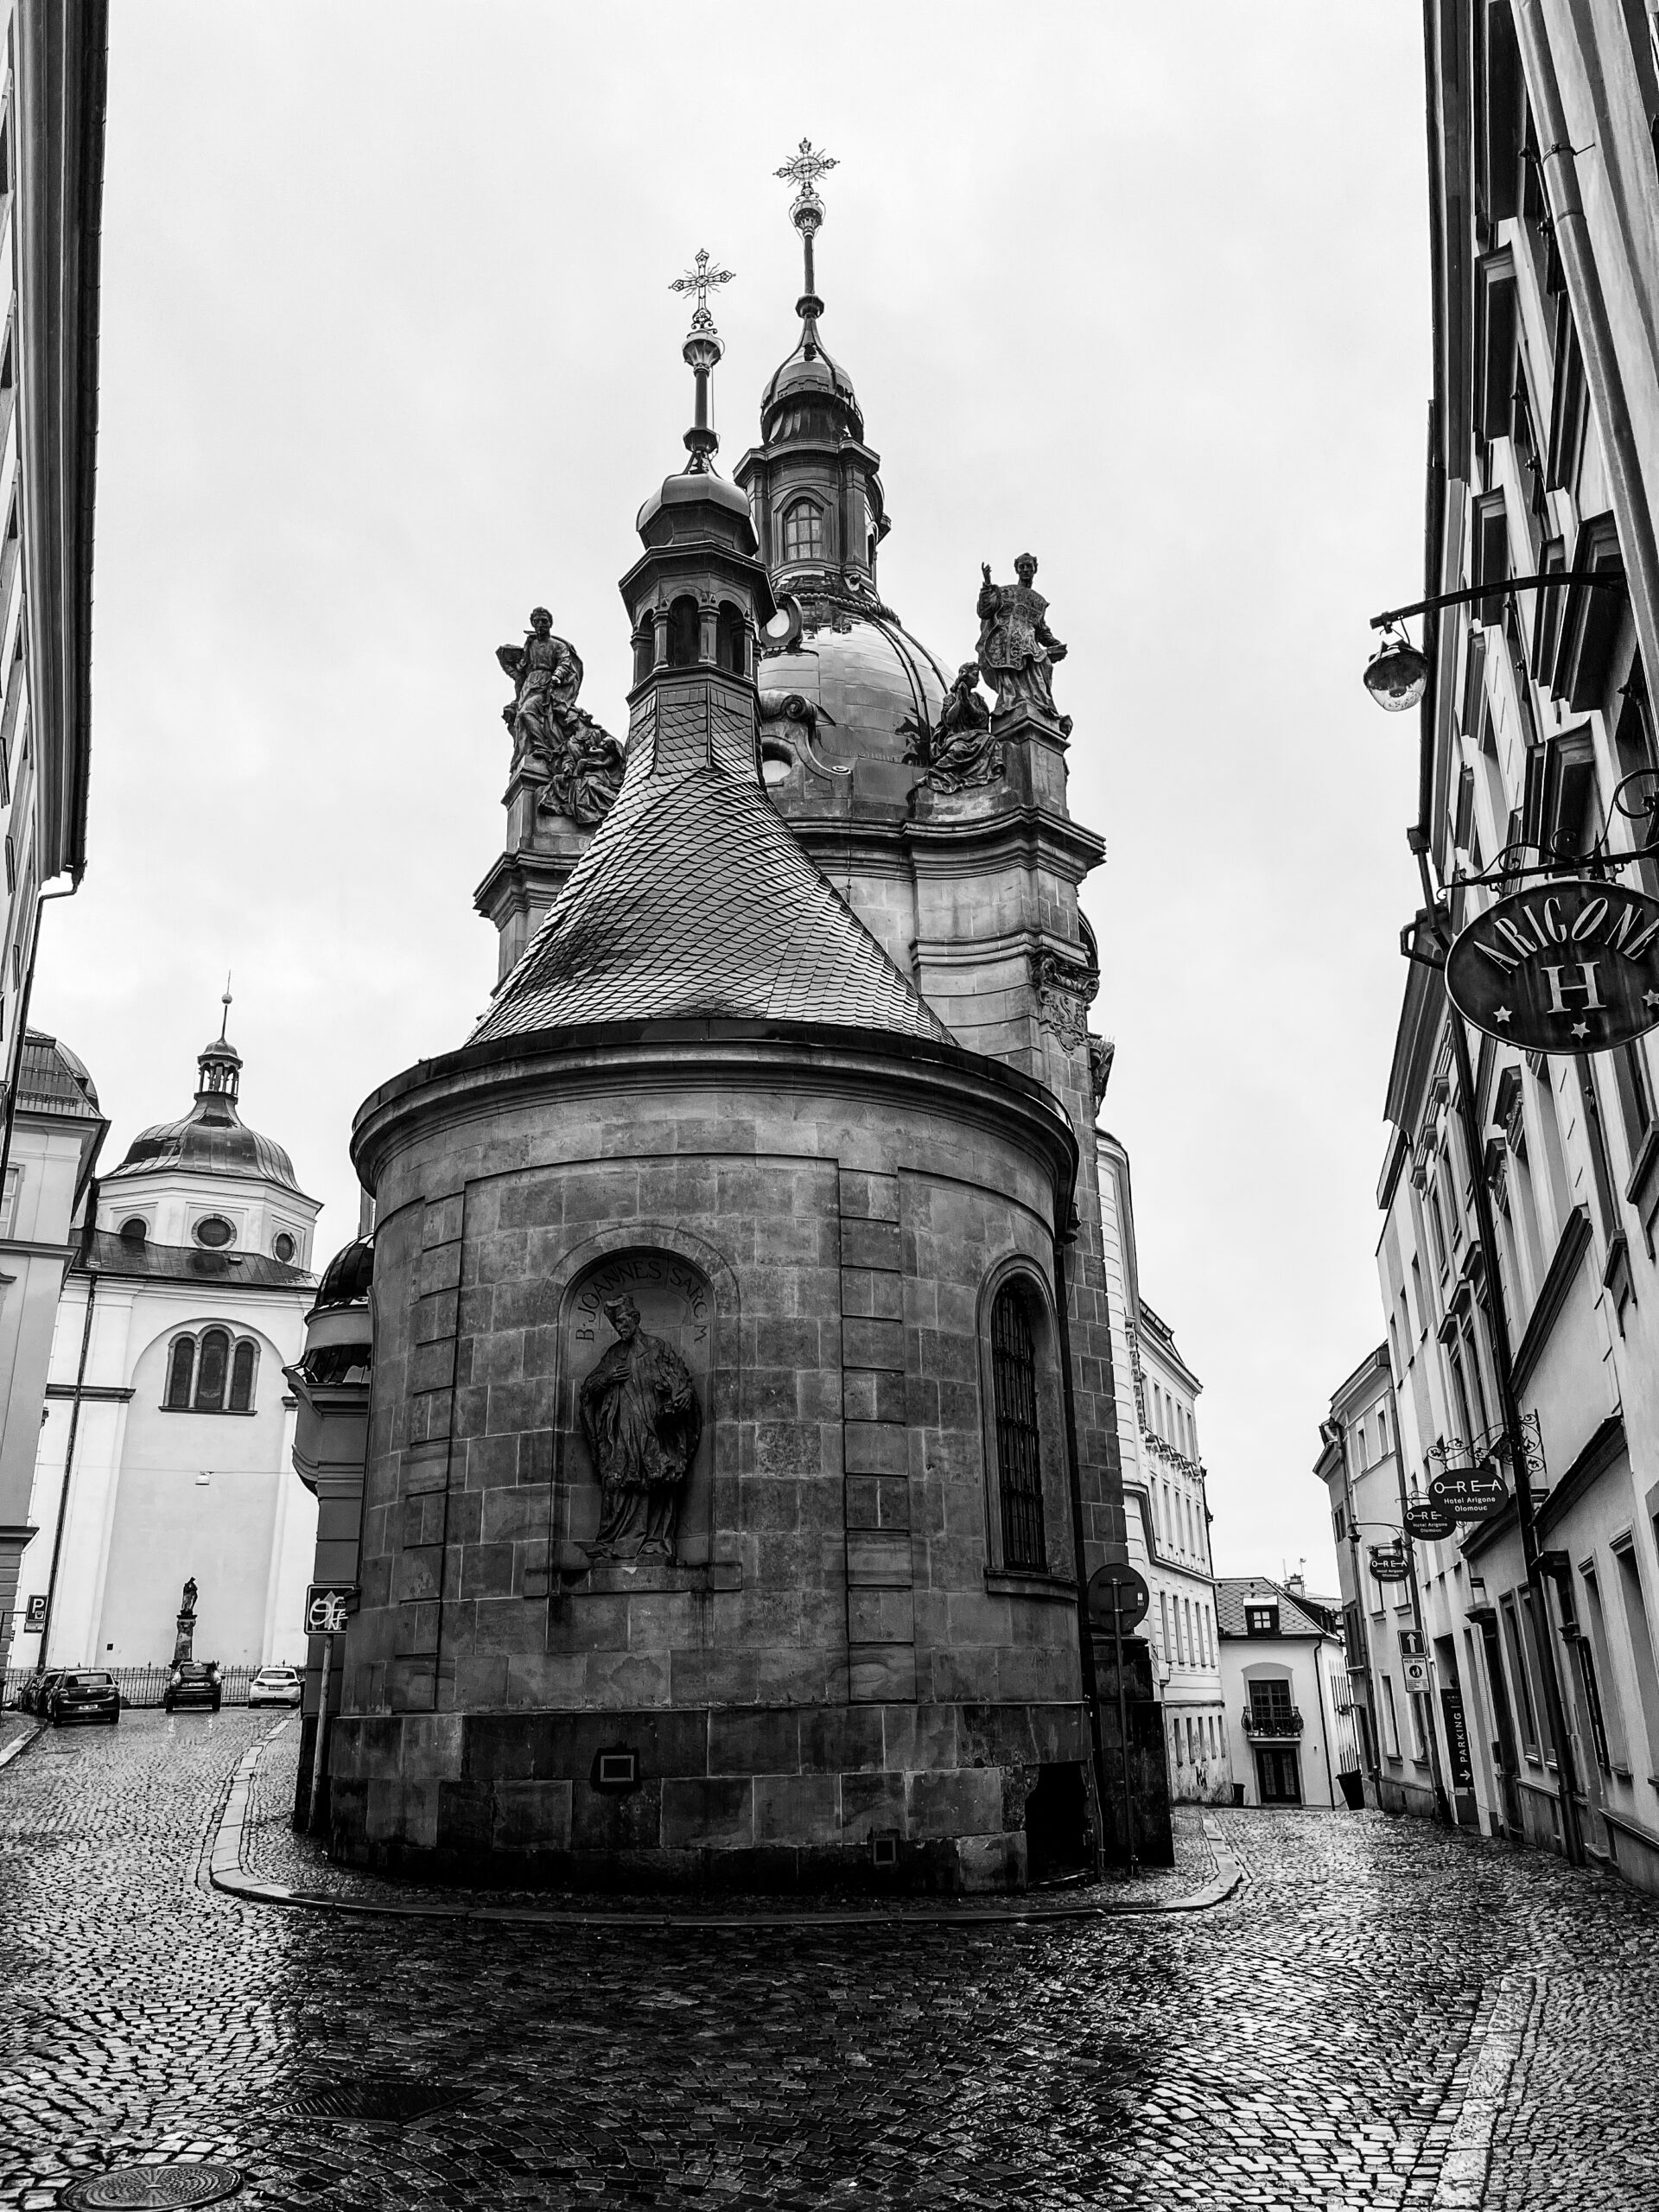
x: 1569, y: 965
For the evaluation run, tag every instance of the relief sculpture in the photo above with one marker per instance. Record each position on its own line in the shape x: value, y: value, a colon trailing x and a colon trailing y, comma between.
x: 581, y: 763
x: 642, y: 1422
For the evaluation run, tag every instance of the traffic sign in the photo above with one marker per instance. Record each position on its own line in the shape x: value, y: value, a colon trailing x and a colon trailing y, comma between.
x: 1429, y: 1524
x: 1117, y: 1578
x: 329, y: 1605
x: 1412, y: 1643
x: 1416, y: 1674
x: 1469, y: 1493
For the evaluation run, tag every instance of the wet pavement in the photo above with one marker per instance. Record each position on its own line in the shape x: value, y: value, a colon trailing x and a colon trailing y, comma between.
x: 1382, y: 2015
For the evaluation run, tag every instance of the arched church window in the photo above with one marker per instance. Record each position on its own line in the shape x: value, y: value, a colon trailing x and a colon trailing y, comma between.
x: 803, y: 532
x: 1018, y: 1453
x: 684, y: 628
x: 210, y: 1372
x: 215, y: 1232
x: 180, y: 1367
x: 242, y: 1367
x: 729, y: 639
x: 644, y: 653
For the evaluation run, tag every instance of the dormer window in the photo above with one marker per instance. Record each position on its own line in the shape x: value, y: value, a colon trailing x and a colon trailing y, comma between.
x: 803, y: 532
x: 1261, y: 1620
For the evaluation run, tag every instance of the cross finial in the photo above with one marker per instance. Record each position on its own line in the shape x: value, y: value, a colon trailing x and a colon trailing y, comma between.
x: 701, y: 280
x: 803, y: 170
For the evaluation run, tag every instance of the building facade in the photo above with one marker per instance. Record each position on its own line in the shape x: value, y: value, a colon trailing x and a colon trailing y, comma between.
x: 1167, y: 1504
x: 51, y: 192
x: 1284, y: 1673
x: 741, y: 1427
x: 166, y: 1452
x: 1537, y: 752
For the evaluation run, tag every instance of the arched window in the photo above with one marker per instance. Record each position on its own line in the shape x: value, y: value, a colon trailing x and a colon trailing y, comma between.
x: 180, y: 1370
x: 135, y: 1232
x: 644, y: 653
x: 803, y: 532
x: 242, y: 1367
x: 684, y: 628
x: 1019, y: 1453
x: 730, y: 642
x: 210, y: 1372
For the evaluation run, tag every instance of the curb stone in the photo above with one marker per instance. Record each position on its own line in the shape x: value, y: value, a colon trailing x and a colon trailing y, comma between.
x: 17, y: 1750
x: 226, y: 1872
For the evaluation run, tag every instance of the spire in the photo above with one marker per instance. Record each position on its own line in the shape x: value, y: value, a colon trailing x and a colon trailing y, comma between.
x: 225, y: 1019
x: 702, y: 351
x: 803, y: 170
x: 218, y: 1064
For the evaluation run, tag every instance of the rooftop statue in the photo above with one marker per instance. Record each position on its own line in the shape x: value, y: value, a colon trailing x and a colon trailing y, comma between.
x: 1017, y: 650
x: 582, y: 764
x: 964, y: 751
x: 642, y: 1422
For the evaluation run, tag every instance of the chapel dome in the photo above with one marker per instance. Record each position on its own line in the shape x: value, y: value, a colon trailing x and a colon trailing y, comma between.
x: 694, y: 487
x: 212, y: 1139
x: 866, y: 674
x: 347, y: 1278
x: 808, y: 394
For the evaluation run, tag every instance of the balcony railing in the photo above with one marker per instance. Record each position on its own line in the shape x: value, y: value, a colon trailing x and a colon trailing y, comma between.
x: 1272, y: 1727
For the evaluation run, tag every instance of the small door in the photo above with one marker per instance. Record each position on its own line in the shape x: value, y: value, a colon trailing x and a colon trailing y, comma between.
x: 1278, y: 1777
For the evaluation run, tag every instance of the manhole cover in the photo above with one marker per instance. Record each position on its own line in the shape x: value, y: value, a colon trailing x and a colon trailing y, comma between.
x: 392, y: 2099
x: 155, y: 2189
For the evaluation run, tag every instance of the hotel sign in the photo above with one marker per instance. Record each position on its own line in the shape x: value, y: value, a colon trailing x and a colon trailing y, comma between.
x: 1568, y: 966
x: 1390, y: 1563
x: 1469, y: 1493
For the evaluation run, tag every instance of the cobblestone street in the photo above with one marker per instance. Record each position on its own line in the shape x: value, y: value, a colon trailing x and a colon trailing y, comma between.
x: 1308, y: 2043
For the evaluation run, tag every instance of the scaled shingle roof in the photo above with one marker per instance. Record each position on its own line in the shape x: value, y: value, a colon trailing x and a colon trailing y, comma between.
x: 694, y: 900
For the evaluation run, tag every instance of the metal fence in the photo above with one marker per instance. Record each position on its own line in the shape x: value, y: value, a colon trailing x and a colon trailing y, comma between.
x: 145, y: 1686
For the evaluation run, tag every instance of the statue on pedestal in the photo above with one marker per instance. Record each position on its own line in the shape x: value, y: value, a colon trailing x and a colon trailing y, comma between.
x: 1017, y: 650
x: 964, y: 751
x: 580, y: 763
x: 641, y: 1417
x: 184, y: 1643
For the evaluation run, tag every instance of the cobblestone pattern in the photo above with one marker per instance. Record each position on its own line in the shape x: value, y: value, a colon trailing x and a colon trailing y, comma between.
x: 1294, y: 2048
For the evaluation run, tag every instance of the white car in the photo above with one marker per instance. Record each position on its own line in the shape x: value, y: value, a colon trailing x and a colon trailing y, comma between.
x: 275, y: 1686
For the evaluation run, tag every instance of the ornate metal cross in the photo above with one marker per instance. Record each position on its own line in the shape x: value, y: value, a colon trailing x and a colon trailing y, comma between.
x: 804, y: 170
x: 701, y: 280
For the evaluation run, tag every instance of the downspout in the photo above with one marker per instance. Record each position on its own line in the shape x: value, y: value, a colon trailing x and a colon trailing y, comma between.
x: 1558, y: 167
x: 1360, y: 1606
x: 68, y: 1466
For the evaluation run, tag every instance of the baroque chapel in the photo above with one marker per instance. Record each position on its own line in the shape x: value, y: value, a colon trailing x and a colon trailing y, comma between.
x: 739, y: 1430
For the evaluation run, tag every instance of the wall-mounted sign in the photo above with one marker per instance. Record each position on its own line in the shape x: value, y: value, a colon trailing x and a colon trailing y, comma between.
x: 1565, y: 966
x: 35, y: 1620
x: 1414, y: 1644
x: 1469, y: 1493
x: 1457, y: 1735
x: 1430, y: 1524
x: 1389, y: 1563
x: 1416, y: 1674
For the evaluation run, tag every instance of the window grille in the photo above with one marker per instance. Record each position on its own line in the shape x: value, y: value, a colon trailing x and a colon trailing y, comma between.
x: 804, y: 532
x: 1019, y: 1455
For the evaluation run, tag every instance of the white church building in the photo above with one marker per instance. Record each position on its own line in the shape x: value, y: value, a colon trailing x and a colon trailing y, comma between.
x: 165, y: 1452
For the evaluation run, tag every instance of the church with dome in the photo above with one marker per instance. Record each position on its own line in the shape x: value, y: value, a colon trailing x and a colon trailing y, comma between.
x: 735, y: 1429
x: 166, y: 1452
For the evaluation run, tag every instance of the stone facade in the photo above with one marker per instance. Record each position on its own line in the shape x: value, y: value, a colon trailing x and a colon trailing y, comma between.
x: 836, y: 1654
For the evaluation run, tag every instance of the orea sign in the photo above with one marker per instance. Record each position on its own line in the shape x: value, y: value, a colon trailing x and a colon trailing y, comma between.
x: 1570, y: 966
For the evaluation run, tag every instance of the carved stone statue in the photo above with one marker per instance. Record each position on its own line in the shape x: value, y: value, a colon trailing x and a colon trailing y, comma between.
x: 964, y: 752
x: 184, y: 1642
x: 639, y: 1413
x: 581, y: 763
x: 188, y: 1604
x: 1017, y: 648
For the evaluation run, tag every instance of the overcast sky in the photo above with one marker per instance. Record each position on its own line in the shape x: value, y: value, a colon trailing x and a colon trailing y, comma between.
x: 388, y: 356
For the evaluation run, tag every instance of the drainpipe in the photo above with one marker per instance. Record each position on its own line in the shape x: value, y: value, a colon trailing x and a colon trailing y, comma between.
x: 1558, y: 168
x: 1339, y: 1426
x: 68, y: 1466
x: 1442, y: 1805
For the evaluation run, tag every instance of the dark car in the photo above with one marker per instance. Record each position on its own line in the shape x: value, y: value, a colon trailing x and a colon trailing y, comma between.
x: 32, y: 1696
x: 81, y: 1693
x: 195, y: 1684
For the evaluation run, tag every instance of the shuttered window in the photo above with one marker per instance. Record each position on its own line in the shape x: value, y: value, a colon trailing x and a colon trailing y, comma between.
x: 1019, y: 1454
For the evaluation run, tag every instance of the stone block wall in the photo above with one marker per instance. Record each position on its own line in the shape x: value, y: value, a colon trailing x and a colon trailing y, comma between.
x: 832, y: 1655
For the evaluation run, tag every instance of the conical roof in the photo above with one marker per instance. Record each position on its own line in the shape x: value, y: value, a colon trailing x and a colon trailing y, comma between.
x: 694, y: 900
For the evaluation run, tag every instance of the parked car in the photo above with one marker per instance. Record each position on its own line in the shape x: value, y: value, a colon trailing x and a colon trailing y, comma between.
x: 195, y: 1683
x: 32, y: 1696
x: 81, y: 1693
x: 275, y: 1686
